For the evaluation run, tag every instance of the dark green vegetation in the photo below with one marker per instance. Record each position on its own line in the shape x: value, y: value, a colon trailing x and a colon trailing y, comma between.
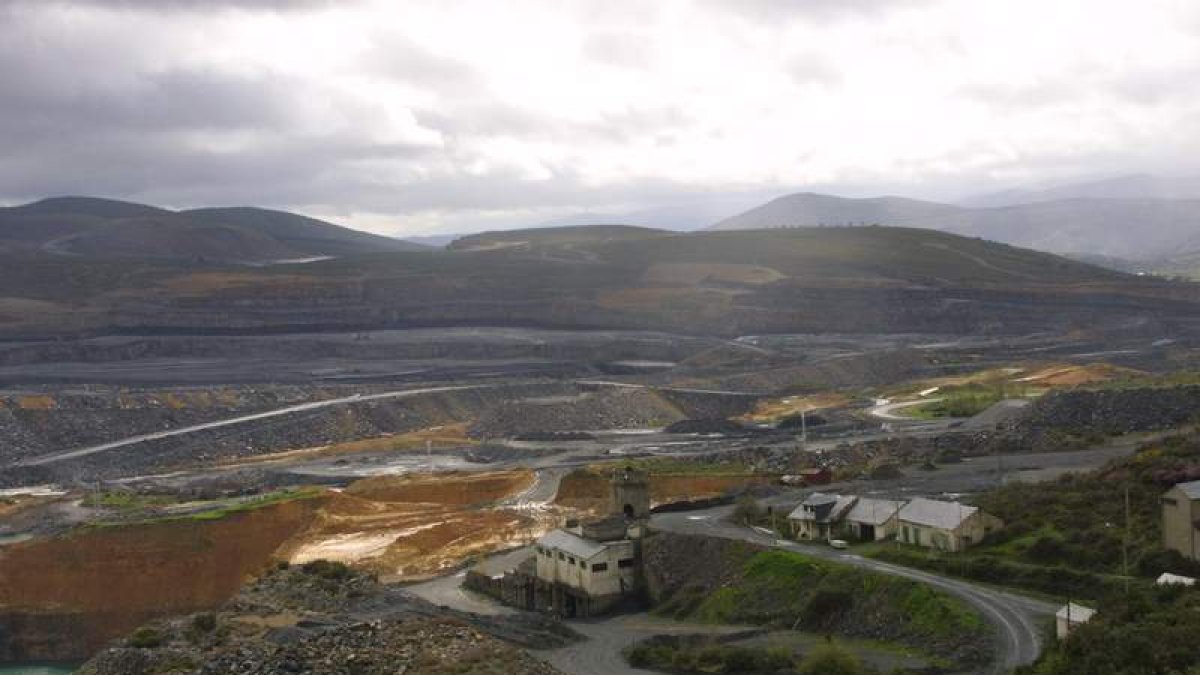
x: 85, y: 226
x: 790, y: 590
x: 554, y: 236
x: 708, y: 655
x: 1145, y: 632
x: 719, y: 283
x: 1069, y: 536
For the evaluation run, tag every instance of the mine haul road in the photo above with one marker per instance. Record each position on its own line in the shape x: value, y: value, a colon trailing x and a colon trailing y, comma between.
x: 1015, y: 619
x: 242, y: 419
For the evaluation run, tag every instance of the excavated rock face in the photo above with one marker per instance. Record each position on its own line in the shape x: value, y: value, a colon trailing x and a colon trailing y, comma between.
x: 1115, y: 411
x: 325, y: 618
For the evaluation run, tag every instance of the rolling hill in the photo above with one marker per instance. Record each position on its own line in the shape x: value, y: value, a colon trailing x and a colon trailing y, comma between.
x: 1143, y: 229
x: 565, y: 236
x: 103, y: 228
x: 726, y: 283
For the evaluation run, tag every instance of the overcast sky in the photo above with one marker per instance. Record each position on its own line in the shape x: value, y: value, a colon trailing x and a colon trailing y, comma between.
x: 410, y: 117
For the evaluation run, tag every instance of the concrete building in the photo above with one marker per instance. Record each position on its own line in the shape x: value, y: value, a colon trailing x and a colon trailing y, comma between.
x: 872, y: 519
x: 585, y: 576
x: 581, y: 569
x: 1071, y: 616
x: 818, y: 516
x: 1181, y: 519
x: 944, y: 526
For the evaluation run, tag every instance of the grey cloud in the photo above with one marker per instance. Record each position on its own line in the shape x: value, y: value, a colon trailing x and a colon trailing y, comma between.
x: 394, y: 56
x: 159, y: 6
x: 776, y: 11
x: 625, y: 50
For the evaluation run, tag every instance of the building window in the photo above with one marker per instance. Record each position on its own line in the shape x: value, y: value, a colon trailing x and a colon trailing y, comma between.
x: 570, y: 560
x: 1170, y: 500
x: 561, y: 556
x: 625, y: 562
x: 600, y: 567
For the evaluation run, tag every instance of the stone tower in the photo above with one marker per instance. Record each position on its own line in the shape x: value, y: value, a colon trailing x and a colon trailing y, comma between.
x: 630, y: 494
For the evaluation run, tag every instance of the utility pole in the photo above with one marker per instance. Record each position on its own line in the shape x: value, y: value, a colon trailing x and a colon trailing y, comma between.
x: 1125, y: 547
x: 804, y: 427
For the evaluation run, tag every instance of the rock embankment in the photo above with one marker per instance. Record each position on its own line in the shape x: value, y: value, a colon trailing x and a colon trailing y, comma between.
x: 325, y: 618
x: 1113, y: 411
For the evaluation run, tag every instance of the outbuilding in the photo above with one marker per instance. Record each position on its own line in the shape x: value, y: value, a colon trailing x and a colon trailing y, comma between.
x: 872, y: 519
x: 1070, y: 617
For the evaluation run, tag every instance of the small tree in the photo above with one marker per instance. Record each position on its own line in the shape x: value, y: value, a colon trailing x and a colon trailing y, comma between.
x: 748, y: 510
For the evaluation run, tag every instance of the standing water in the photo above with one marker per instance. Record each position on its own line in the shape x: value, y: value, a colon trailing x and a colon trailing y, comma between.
x: 37, y: 669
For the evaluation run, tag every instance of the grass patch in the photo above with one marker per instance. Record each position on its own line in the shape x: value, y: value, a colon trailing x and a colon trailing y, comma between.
x: 790, y: 590
x: 969, y: 400
x: 225, y: 510
x: 124, y: 500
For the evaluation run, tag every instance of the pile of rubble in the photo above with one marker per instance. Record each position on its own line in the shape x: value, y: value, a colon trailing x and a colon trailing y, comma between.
x: 326, y: 618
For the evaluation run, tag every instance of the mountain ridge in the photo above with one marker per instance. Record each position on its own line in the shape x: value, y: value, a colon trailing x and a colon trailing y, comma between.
x: 109, y: 228
x: 1136, y: 229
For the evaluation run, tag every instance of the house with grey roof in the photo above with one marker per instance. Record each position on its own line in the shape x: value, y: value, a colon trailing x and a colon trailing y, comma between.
x: 1181, y: 519
x: 872, y: 519
x: 945, y: 526
x: 819, y: 515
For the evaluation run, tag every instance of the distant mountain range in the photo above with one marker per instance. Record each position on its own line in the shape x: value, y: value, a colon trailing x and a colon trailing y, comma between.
x: 105, y: 228
x: 1134, y: 186
x: 1111, y: 220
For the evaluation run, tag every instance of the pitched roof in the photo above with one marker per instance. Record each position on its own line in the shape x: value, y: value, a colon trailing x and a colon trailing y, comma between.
x: 1191, y: 490
x: 1078, y: 613
x: 934, y: 513
x: 873, y: 511
x: 572, y: 544
x: 822, y: 507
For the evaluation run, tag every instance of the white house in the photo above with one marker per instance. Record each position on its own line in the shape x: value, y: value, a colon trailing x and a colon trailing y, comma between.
x: 819, y: 514
x: 1181, y: 519
x: 945, y: 526
x: 1069, y: 617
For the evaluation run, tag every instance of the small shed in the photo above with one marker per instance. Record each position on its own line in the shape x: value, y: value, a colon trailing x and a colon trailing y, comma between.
x: 1071, y: 615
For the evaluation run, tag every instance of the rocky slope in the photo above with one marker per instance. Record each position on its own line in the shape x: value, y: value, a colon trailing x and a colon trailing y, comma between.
x: 323, y: 618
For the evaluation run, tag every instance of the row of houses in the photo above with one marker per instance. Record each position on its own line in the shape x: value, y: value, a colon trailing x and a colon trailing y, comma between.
x: 945, y: 526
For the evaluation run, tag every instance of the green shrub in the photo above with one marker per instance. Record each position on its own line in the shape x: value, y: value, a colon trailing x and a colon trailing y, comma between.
x: 328, y: 569
x: 205, y: 622
x: 146, y: 638
x: 831, y: 660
